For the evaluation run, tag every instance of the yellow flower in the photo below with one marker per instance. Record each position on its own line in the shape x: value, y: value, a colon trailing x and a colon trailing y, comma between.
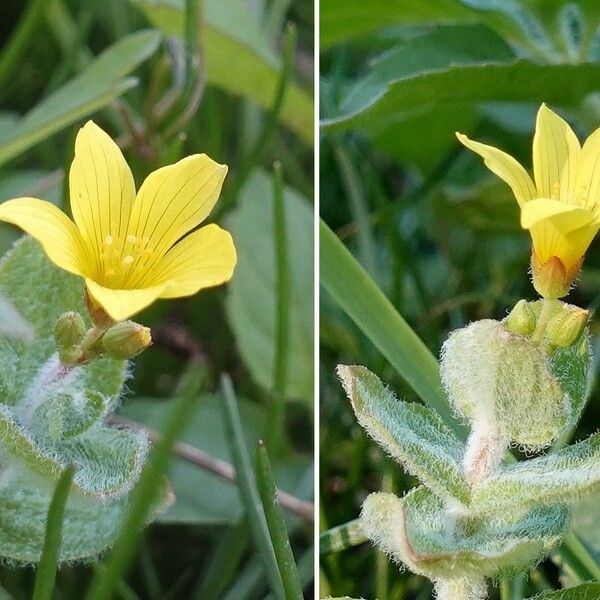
x: 129, y: 248
x: 562, y: 208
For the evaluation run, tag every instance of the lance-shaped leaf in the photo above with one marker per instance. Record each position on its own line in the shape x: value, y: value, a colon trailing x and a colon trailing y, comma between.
x: 418, y: 531
x: 561, y: 477
x: 411, y: 433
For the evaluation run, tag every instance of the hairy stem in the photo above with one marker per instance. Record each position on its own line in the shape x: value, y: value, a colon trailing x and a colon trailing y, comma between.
x: 485, y: 450
x: 461, y: 589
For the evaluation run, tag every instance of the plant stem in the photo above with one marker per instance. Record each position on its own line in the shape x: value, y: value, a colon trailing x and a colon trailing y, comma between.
x: 461, y: 589
x: 485, y: 450
x: 548, y: 307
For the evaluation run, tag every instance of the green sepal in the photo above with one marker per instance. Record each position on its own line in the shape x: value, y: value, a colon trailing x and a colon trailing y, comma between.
x: 561, y: 477
x: 412, y: 434
x: 419, y: 531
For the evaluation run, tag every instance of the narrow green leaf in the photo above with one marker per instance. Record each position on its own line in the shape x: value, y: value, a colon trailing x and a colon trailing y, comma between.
x: 104, y: 80
x: 46, y: 572
x: 360, y: 298
x: 247, y: 488
x: 276, y: 525
x: 342, y: 537
x: 586, y: 591
x: 144, y: 495
x: 560, y: 477
x: 411, y: 433
x: 517, y: 81
x: 276, y: 428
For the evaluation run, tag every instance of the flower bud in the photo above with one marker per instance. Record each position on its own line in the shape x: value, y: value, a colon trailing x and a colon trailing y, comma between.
x: 69, y: 329
x: 126, y: 340
x: 521, y: 319
x: 505, y: 381
x: 565, y: 328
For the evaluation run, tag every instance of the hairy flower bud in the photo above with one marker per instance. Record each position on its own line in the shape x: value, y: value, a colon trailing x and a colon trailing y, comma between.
x: 505, y: 381
x: 565, y: 328
x: 521, y: 319
x: 126, y: 340
x: 69, y: 330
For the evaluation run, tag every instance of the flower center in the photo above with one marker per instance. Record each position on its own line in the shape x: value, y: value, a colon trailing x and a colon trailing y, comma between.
x: 118, y: 258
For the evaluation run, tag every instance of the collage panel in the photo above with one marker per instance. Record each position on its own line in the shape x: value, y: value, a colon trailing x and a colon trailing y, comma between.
x: 459, y: 446
x: 156, y: 343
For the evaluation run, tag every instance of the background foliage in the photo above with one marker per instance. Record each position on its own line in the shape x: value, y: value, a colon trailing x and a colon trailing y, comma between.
x: 436, y: 232
x: 237, y: 87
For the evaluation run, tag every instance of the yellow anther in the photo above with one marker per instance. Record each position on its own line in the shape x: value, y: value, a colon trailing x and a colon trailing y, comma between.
x: 108, y: 240
x: 131, y: 239
x: 128, y: 260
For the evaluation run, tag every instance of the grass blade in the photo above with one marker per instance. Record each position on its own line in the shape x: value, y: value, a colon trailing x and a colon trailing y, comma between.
x: 247, y: 488
x: 362, y: 300
x: 143, y: 495
x: 282, y: 315
x: 276, y: 525
x: 46, y: 572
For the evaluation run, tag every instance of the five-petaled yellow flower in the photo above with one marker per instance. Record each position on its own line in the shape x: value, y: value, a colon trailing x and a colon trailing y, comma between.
x: 132, y: 249
x: 562, y: 208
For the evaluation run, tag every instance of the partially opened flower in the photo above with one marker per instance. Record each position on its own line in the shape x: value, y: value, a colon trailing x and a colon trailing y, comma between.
x: 132, y: 249
x: 561, y: 209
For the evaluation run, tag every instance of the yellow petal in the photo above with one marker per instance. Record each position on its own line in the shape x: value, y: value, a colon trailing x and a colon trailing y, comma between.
x: 566, y: 216
x: 122, y: 304
x: 559, y: 230
x: 556, y: 154
x: 588, y: 176
x: 57, y: 234
x: 504, y: 166
x: 204, y: 258
x: 173, y: 200
x: 101, y: 187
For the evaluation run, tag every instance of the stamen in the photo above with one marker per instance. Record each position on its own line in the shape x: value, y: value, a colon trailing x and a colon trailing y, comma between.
x: 108, y: 240
x: 131, y: 239
x: 128, y: 260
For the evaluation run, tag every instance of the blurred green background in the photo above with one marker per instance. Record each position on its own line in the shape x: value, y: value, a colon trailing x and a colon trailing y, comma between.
x: 235, y: 83
x: 432, y: 226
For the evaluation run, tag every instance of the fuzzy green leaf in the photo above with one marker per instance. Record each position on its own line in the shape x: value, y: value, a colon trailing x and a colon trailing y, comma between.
x: 586, y: 591
x: 412, y: 434
x: 418, y: 531
x: 26, y: 273
x: 560, y: 477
